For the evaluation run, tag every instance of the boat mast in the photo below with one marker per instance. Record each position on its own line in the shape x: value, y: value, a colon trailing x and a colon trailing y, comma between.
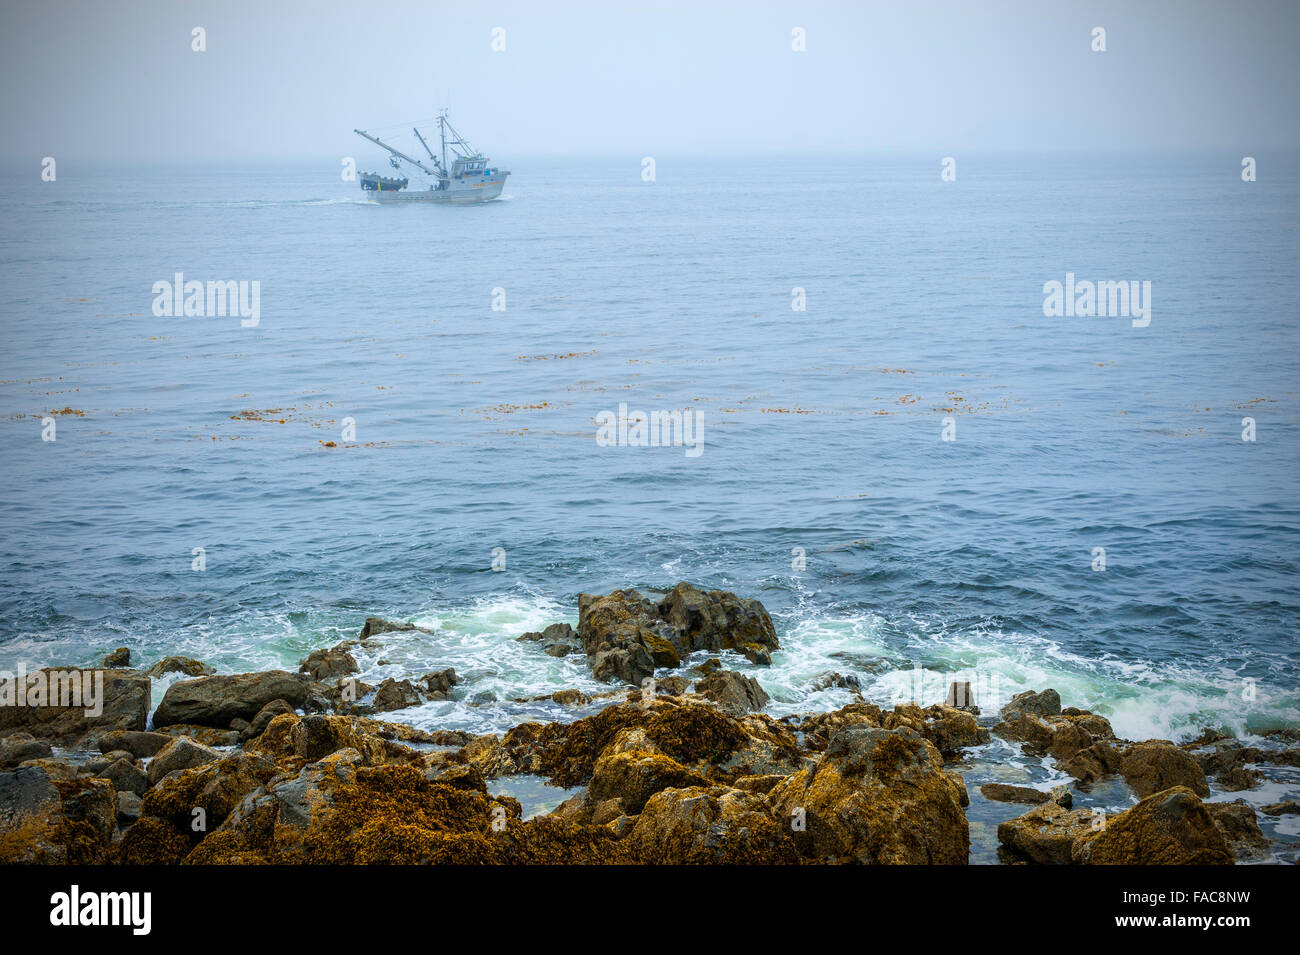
x: 395, y: 152
x: 442, y: 130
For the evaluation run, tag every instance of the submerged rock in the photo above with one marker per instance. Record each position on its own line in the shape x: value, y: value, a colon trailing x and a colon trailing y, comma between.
x: 187, y: 665
x: 1001, y: 792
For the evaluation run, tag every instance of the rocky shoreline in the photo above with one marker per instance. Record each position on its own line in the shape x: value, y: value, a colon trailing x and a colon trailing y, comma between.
x: 309, y: 767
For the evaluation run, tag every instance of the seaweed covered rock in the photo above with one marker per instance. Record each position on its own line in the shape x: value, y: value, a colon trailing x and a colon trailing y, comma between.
x: 293, y: 741
x: 876, y: 796
x: 150, y: 841
x: 216, y: 700
x: 710, y: 826
x: 45, y: 819
x: 1157, y: 765
x: 215, y: 788
x: 1172, y: 827
x: 694, y: 734
x: 632, y: 770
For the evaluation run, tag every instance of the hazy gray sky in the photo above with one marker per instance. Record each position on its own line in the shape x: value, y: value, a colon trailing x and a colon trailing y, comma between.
x: 97, y: 79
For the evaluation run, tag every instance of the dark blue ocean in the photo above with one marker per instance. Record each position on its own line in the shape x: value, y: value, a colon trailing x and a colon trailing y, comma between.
x: 822, y: 429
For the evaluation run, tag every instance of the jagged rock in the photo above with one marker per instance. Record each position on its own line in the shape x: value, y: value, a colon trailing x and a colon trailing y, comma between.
x: 181, y: 753
x: 1157, y: 765
x: 20, y: 747
x: 876, y: 796
x: 125, y: 706
x: 1171, y: 827
x: 1002, y: 792
x: 395, y: 695
x: 439, y: 683
x: 833, y: 679
x: 121, y: 657
x: 631, y: 664
x: 138, y: 743
x: 1047, y: 833
x: 326, y: 664
x: 216, y: 700
x: 1289, y: 808
x: 716, y: 619
x: 1045, y: 703
x: 756, y: 654
x: 187, y: 665
x: 734, y: 692
x: 1236, y: 820
x: 377, y: 625
x: 709, y: 825
x: 626, y: 636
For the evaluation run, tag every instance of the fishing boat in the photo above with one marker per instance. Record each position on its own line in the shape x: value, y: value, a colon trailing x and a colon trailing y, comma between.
x: 468, y: 178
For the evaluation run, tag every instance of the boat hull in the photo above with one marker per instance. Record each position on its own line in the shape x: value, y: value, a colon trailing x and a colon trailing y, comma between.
x: 456, y: 194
